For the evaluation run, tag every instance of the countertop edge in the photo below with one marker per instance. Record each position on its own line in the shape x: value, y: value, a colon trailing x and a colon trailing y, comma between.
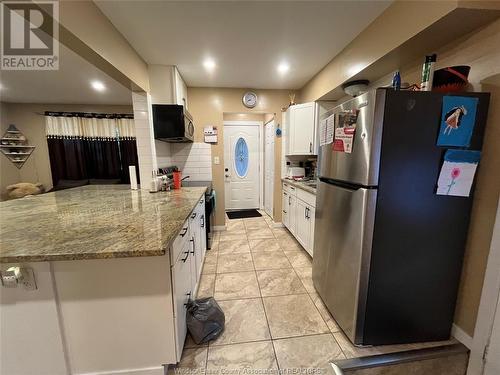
x: 101, y: 255
x: 300, y: 185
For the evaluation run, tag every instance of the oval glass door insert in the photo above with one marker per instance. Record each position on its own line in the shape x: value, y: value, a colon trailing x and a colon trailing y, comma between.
x: 241, y: 157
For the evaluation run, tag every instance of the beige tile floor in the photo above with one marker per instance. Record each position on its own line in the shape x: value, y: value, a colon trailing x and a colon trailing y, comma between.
x: 275, y: 320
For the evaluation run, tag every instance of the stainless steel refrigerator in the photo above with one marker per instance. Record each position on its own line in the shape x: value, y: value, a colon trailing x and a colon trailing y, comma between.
x: 387, y: 250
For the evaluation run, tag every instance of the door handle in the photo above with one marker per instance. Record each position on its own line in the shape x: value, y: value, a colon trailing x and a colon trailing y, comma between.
x: 187, y: 256
x: 193, y: 215
x: 202, y: 219
x: 284, y: 211
x: 310, y: 147
x: 185, y: 231
x: 192, y: 240
x: 189, y: 297
x: 289, y: 200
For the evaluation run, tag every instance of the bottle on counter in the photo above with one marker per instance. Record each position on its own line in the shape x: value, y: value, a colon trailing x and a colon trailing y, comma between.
x: 154, y: 182
x: 428, y: 72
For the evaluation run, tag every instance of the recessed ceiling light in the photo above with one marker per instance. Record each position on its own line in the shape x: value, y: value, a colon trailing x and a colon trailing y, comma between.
x: 209, y: 64
x: 283, y: 68
x: 98, y: 85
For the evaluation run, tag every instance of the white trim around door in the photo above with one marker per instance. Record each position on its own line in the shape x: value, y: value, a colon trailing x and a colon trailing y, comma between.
x: 488, y: 310
x: 260, y: 125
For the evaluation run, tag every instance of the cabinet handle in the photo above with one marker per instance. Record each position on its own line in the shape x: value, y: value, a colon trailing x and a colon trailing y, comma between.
x: 284, y: 211
x: 285, y: 194
x: 192, y: 240
x: 310, y: 147
x: 187, y: 256
x: 185, y: 231
x: 289, y: 200
x: 201, y: 202
x: 193, y: 215
x: 203, y: 221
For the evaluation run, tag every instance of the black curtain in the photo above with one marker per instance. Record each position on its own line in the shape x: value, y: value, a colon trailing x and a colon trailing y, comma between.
x: 87, y: 159
x: 128, y: 154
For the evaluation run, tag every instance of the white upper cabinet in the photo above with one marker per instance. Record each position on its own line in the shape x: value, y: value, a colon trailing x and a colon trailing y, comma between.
x: 302, y: 129
x: 166, y: 85
x: 180, y: 89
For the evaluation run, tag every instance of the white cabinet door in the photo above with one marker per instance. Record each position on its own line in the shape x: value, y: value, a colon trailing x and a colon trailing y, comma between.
x: 310, y: 215
x: 302, y: 232
x: 182, y: 291
x: 292, y: 214
x: 180, y: 89
x: 284, y: 205
x: 302, y: 129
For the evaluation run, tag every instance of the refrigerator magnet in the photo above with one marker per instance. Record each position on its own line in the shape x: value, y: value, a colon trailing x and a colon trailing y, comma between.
x: 457, y: 172
x: 457, y: 121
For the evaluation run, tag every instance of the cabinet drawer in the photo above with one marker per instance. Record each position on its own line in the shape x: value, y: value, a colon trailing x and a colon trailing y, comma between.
x: 307, y: 197
x: 289, y: 188
x: 180, y: 241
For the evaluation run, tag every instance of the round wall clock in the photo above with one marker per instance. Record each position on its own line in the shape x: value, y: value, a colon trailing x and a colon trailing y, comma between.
x: 250, y: 99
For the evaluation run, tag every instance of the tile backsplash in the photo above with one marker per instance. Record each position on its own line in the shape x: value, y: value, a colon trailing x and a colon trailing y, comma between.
x: 193, y: 159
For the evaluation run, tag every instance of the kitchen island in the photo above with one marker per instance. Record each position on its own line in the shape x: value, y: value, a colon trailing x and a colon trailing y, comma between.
x: 113, y: 269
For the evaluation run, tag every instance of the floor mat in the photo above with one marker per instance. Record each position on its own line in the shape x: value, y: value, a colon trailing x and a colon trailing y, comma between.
x: 243, y: 214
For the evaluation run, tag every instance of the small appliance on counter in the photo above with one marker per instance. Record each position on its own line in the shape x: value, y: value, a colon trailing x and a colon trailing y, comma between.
x: 296, y: 173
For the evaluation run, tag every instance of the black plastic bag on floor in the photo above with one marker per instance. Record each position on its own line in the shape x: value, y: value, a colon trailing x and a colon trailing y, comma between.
x: 205, y: 319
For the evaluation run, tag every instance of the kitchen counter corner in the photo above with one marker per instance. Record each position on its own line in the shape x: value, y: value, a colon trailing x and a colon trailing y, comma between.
x: 93, y: 222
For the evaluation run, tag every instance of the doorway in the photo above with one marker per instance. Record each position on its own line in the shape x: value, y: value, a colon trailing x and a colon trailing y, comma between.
x: 269, y: 167
x: 242, y: 160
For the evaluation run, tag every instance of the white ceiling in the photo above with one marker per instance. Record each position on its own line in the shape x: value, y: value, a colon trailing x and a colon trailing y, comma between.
x: 68, y: 85
x: 247, y: 39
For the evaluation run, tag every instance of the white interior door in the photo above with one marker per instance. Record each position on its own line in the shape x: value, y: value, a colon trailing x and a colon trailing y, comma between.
x: 492, y: 365
x: 241, y: 165
x: 269, y: 168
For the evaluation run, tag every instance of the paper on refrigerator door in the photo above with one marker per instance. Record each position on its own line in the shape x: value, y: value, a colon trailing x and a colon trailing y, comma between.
x: 457, y: 172
x: 326, y: 130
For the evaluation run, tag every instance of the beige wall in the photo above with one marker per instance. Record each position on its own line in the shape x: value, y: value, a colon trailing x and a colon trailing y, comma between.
x: 87, y: 31
x: 27, y: 118
x: 208, y: 106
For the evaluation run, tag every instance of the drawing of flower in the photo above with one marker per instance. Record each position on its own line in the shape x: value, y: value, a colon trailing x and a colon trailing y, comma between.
x: 455, y: 172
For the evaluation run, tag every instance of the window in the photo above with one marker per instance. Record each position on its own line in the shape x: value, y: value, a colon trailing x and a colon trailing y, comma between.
x: 241, y: 157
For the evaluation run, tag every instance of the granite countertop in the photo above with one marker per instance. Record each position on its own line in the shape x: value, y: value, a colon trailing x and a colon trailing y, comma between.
x: 300, y: 185
x: 93, y: 222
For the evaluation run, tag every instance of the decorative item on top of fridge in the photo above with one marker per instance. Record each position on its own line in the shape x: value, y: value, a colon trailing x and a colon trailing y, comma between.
x: 428, y: 72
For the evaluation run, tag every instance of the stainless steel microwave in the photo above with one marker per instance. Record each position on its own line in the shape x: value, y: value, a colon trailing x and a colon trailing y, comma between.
x: 172, y: 123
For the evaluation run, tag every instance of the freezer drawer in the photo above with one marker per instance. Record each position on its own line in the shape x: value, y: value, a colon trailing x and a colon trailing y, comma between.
x: 362, y: 165
x: 342, y: 250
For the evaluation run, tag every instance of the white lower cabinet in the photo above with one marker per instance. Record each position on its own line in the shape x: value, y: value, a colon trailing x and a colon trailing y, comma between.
x: 187, y: 270
x: 299, y: 216
x: 182, y: 291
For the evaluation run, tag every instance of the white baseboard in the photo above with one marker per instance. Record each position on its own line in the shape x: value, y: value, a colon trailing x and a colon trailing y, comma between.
x: 277, y: 225
x: 136, y: 371
x: 219, y: 228
x: 461, y: 336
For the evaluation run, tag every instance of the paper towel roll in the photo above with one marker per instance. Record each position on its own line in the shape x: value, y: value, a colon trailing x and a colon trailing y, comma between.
x: 133, y: 177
